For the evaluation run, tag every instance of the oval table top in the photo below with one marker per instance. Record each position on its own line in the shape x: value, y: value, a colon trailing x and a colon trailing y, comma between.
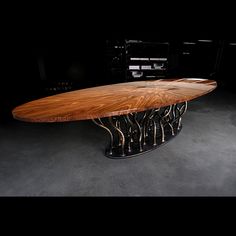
x: 112, y: 100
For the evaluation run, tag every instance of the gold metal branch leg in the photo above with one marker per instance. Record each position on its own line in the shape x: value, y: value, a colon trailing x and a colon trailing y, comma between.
x: 122, y: 137
x: 108, y: 130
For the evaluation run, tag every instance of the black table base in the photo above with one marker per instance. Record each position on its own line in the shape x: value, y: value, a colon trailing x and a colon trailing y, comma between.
x: 140, y: 132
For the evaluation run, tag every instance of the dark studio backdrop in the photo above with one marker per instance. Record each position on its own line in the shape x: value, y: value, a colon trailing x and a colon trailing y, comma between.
x: 45, y: 65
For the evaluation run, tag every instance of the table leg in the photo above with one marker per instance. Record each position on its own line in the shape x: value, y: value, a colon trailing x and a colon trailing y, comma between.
x: 140, y: 132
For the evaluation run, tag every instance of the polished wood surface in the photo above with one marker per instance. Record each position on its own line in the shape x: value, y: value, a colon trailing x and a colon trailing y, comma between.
x: 111, y: 100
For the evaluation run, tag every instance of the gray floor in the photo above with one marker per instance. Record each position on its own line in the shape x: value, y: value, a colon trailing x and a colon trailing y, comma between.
x: 66, y: 159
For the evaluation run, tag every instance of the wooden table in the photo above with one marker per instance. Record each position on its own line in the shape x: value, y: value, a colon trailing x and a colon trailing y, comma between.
x: 138, y: 116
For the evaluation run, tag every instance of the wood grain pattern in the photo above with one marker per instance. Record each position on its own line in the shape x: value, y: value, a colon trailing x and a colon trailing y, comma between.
x: 111, y: 100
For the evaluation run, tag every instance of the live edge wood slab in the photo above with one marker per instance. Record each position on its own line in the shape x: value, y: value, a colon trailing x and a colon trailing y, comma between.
x: 112, y: 100
x: 138, y: 116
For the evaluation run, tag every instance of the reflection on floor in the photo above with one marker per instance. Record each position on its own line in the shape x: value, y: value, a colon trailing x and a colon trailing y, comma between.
x: 66, y: 159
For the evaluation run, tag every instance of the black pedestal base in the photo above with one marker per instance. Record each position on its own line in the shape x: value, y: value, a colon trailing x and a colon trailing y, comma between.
x: 135, y: 151
x: 137, y: 133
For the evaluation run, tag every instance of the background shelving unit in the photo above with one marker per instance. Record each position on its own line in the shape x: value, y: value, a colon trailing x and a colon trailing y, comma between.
x: 198, y: 58
x: 146, y: 60
x: 115, y: 61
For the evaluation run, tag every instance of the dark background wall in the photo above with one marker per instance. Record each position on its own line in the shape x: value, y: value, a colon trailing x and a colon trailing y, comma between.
x: 47, y: 67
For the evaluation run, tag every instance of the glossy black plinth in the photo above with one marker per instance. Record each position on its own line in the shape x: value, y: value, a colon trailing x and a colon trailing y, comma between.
x: 135, y: 151
x: 136, y: 133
